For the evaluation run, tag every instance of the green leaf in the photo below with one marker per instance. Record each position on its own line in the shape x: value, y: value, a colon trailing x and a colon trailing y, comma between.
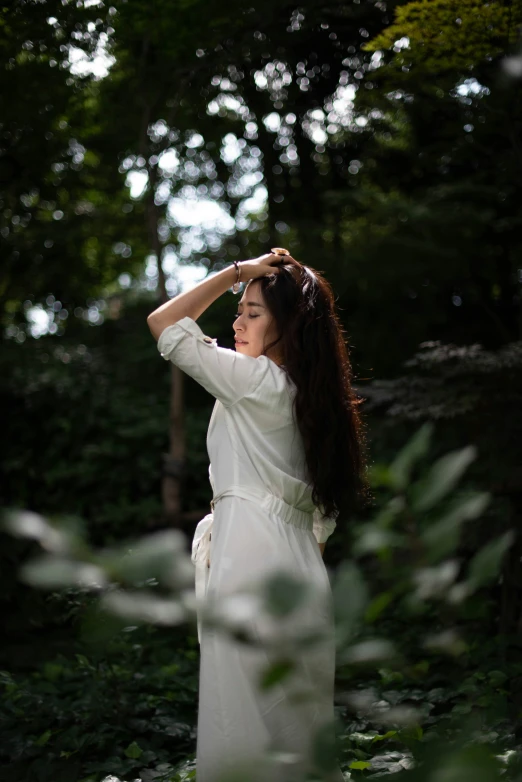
x: 372, y: 538
x: 388, y: 735
x: 442, y: 478
x: 50, y: 572
x: 42, y: 740
x: 133, y: 751
x: 380, y: 475
x: 360, y: 765
x: 410, y: 735
x: 324, y: 749
x: 442, y: 537
x: 59, y: 536
x: 386, y: 517
x: 415, y: 449
x: 377, y: 606
x: 485, y: 565
x: 368, y: 652
x: 153, y: 556
x: 350, y: 598
x: 276, y: 673
x: 52, y: 671
x: 283, y: 594
x: 84, y: 661
x: 497, y: 678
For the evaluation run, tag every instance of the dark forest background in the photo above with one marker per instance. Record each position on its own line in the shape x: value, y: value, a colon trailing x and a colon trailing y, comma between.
x: 148, y: 142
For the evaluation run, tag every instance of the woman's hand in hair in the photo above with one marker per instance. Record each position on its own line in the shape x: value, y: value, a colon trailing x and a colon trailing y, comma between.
x: 260, y: 267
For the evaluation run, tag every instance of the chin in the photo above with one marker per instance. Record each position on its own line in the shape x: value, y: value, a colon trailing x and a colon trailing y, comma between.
x: 243, y: 349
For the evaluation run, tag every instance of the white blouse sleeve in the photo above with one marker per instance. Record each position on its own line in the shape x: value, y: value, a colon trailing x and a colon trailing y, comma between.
x: 323, y: 526
x: 224, y: 373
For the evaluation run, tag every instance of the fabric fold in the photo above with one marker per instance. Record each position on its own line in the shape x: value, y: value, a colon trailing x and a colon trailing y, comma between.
x: 199, y: 557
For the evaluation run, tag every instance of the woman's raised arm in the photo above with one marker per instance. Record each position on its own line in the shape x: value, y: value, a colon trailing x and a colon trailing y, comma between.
x: 194, y: 302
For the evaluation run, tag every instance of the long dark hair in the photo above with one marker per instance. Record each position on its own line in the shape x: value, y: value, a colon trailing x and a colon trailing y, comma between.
x: 316, y: 357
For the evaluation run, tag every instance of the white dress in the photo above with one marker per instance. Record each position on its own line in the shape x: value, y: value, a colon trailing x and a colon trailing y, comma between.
x: 263, y: 520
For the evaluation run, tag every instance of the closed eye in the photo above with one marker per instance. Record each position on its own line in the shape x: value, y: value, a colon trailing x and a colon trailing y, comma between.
x: 250, y: 316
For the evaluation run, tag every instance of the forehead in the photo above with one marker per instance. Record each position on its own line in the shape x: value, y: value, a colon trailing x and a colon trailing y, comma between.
x: 252, y: 297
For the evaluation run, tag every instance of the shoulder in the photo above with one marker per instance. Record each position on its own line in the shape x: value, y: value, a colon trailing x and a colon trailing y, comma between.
x: 275, y: 373
x: 275, y: 387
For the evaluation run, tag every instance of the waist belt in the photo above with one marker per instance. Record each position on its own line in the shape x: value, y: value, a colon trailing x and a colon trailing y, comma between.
x: 270, y: 503
x: 263, y: 499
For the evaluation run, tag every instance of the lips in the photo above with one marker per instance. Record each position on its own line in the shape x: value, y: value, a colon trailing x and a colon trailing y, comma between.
x: 240, y: 342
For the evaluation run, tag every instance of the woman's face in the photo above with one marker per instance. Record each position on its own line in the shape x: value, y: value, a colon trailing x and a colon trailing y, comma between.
x: 254, y: 325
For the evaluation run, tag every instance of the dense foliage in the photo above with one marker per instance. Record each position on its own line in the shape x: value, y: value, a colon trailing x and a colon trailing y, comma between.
x: 380, y: 141
x: 417, y: 672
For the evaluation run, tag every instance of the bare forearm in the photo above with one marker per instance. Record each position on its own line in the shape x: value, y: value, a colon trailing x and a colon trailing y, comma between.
x: 193, y: 302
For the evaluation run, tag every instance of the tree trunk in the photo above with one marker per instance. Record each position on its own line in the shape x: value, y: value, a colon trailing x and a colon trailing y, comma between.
x: 174, y: 460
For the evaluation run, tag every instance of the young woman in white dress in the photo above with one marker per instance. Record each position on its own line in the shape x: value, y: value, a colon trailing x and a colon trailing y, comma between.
x: 286, y: 460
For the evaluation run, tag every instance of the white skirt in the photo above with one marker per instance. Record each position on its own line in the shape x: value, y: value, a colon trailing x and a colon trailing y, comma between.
x: 268, y: 733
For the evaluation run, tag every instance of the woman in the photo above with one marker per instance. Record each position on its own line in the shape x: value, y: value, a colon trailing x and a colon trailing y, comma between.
x: 284, y: 442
